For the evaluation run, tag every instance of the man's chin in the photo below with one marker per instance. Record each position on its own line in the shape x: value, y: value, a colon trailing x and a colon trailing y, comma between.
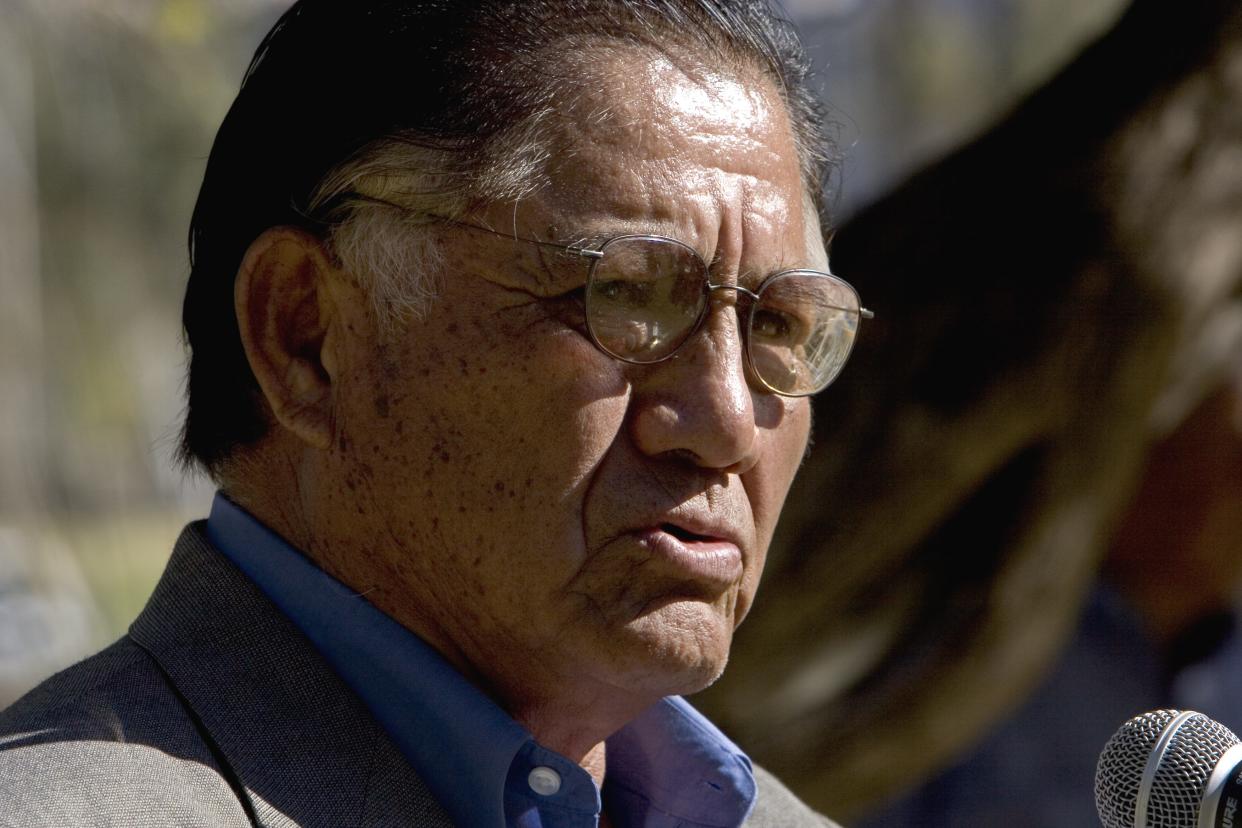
x: 676, y: 650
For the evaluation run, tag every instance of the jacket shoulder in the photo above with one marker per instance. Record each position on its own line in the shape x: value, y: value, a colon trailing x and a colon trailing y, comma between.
x: 777, y: 807
x: 109, y: 742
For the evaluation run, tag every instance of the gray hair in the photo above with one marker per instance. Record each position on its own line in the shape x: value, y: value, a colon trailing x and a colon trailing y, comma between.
x: 381, y: 245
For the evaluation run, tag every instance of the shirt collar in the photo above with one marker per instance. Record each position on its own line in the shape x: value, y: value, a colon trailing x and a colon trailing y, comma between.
x: 670, y: 766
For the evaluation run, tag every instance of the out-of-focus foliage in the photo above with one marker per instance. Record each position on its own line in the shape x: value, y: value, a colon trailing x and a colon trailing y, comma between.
x: 107, y: 112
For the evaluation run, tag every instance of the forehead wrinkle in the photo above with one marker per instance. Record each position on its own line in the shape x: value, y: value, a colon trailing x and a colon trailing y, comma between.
x: 753, y: 226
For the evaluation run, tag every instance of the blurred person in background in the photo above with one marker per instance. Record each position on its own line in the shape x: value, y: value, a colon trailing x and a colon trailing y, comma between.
x: 504, y: 318
x: 1162, y: 627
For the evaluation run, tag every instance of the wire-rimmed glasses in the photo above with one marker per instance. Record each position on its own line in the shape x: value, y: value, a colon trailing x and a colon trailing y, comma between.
x: 646, y: 296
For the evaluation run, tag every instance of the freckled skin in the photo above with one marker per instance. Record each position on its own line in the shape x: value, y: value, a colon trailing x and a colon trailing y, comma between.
x: 517, y: 459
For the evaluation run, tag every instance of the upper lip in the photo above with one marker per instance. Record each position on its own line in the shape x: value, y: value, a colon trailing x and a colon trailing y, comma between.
x: 699, y: 527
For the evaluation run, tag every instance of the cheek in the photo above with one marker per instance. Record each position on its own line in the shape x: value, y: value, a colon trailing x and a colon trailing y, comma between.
x: 489, y: 446
x: 767, y: 485
x: 785, y: 449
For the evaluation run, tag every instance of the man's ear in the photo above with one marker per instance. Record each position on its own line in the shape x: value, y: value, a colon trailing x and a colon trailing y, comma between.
x: 284, y: 304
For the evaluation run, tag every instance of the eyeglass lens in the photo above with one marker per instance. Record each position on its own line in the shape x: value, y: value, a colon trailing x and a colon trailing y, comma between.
x: 646, y: 296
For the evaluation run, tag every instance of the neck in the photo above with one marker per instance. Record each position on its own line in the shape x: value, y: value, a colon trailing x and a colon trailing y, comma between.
x: 576, y: 729
x: 595, y: 763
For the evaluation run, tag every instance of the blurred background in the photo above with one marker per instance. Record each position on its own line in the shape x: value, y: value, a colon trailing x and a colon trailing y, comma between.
x: 107, y: 113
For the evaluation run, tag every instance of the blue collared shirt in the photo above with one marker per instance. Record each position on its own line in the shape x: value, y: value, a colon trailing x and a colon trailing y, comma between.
x: 669, y: 768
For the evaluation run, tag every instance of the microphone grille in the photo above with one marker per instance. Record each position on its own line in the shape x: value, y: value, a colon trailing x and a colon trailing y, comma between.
x: 1180, y: 778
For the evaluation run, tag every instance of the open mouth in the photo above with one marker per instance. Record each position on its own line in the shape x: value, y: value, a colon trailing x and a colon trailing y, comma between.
x: 684, y: 535
x: 708, y: 563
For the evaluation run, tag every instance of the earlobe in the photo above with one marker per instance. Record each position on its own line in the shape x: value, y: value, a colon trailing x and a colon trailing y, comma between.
x: 280, y: 296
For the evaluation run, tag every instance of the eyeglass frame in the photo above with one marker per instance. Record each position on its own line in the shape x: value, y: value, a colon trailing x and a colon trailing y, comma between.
x: 596, y: 252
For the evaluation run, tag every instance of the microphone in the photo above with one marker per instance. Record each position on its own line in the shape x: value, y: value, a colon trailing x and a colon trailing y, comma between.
x: 1170, y: 769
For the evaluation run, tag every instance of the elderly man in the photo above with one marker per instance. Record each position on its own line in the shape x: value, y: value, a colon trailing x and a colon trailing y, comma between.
x: 504, y: 316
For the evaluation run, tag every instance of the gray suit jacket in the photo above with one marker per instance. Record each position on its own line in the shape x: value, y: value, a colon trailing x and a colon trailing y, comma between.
x: 215, y: 711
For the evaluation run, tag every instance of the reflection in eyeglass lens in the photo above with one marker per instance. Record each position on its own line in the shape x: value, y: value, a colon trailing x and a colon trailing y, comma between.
x: 802, y: 330
x: 646, y: 296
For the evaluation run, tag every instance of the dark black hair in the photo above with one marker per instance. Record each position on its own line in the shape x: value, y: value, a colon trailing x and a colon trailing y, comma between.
x: 334, y: 76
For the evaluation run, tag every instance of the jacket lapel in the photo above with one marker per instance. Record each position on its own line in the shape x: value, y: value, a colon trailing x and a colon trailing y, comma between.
x: 302, y: 746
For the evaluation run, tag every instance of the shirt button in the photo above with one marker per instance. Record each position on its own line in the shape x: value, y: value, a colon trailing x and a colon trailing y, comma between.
x: 544, y: 781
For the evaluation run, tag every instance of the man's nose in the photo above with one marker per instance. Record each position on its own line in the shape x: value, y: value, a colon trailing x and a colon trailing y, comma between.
x: 699, y: 403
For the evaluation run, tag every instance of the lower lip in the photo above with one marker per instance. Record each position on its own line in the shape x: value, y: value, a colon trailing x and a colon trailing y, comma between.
x: 714, y: 562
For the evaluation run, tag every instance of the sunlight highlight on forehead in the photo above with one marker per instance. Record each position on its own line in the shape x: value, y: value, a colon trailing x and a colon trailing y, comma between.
x: 726, y: 108
x: 714, y: 99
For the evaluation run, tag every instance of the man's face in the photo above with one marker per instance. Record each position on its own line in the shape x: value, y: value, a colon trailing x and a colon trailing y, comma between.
x: 546, y: 515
